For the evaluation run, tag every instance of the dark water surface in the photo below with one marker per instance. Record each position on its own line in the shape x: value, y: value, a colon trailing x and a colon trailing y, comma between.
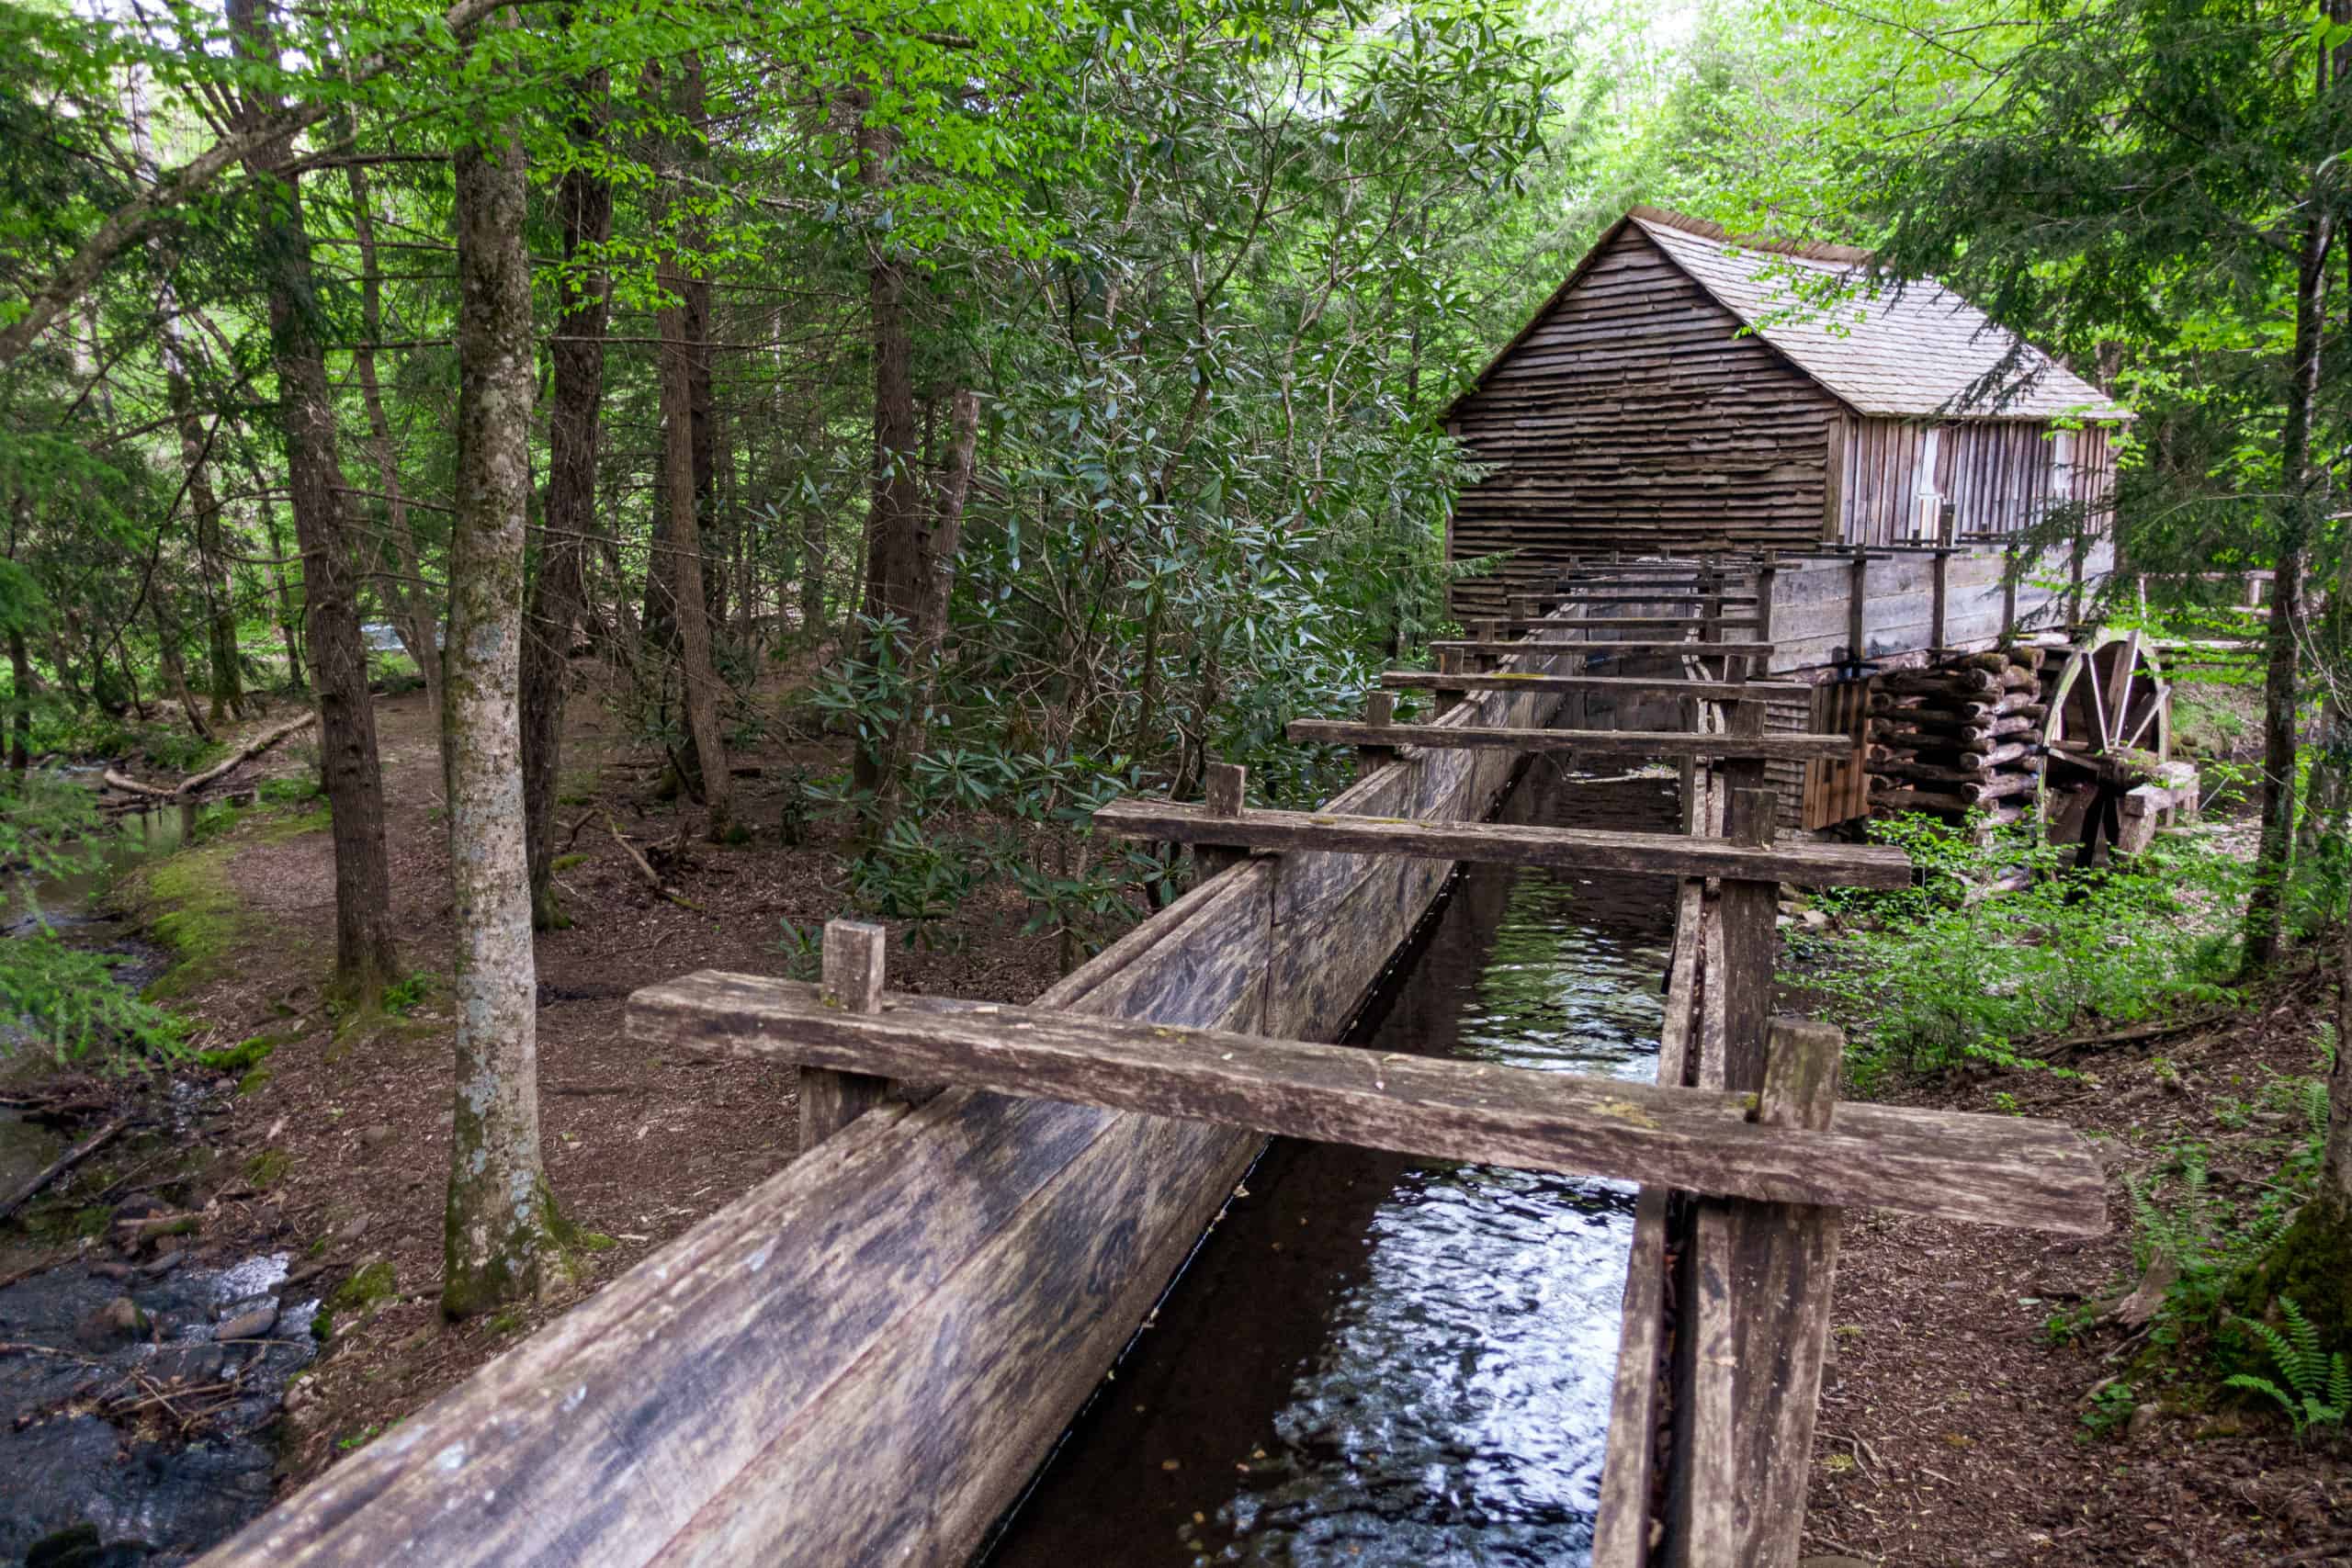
x: 1376, y: 1360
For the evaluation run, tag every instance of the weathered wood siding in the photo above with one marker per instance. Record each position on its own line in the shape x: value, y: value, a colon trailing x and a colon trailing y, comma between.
x: 1999, y: 475
x: 1812, y: 602
x: 1635, y: 416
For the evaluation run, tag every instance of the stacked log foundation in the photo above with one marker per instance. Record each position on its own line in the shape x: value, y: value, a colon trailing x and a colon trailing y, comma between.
x: 1963, y: 734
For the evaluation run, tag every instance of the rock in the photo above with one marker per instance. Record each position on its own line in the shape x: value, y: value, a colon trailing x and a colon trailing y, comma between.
x: 375, y: 1140
x: 2142, y: 1417
x: 117, y: 1322
x: 249, y: 1324
x: 1814, y: 919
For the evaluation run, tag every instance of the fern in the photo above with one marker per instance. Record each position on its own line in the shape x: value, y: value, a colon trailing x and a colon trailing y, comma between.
x: 2319, y: 1386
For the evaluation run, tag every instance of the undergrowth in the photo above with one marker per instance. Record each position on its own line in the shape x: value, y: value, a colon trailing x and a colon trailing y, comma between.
x: 55, y: 996
x: 1953, y: 972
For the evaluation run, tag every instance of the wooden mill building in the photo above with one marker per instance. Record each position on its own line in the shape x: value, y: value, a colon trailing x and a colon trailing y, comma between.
x: 1683, y: 393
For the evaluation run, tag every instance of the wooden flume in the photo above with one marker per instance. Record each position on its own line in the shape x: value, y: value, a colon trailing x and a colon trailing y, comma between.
x: 745, y: 1386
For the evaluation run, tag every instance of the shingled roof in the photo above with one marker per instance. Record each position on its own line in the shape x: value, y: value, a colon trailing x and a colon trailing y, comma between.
x: 1915, y: 353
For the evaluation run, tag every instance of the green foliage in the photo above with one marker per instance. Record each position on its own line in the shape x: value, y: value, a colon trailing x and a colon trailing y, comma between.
x: 241, y: 1057
x: 66, y: 1000
x: 55, y: 996
x: 2109, y: 1408
x: 2319, y: 1384
x: 297, y: 790
x: 1944, y: 972
x: 402, y: 996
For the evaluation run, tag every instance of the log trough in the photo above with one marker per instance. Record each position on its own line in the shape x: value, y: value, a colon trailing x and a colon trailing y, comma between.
x: 864, y: 1358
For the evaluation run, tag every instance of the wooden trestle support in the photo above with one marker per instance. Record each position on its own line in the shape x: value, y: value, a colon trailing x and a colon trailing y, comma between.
x: 864, y: 1358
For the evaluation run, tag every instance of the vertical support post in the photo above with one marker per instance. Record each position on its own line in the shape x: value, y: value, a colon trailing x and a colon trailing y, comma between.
x: 1759, y: 1326
x: 1940, y: 598
x: 1450, y: 663
x: 853, y: 966
x: 2008, y: 592
x: 1767, y: 578
x: 1749, y: 912
x: 2075, y: 583
x: 1858, y: 595
x: 1226, y: 785
x: 1379, y: 708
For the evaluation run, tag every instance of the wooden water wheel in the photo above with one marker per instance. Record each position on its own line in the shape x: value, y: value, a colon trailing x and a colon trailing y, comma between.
x: 2108, y: 730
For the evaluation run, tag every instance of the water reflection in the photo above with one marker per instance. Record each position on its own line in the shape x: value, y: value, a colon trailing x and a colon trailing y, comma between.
x: 1378, y: 1359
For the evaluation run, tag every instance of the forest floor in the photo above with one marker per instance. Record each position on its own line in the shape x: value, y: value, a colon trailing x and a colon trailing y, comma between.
x: 1951, y: 1430
x: 1953, y: 1424
x: 337, y: 1148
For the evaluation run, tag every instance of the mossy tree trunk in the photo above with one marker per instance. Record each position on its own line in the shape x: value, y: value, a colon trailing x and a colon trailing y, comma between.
x: 499, y: 1240
x: 365, y: 956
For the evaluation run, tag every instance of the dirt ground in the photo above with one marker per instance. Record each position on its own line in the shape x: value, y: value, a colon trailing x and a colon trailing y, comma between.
x: 1951, y: 1430
x: 341, y: 1155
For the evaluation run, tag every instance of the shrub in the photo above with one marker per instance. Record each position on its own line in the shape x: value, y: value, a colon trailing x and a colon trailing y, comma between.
x: 1949, y: 972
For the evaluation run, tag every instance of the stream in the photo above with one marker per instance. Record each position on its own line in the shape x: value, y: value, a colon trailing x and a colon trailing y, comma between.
x: 1378, y: 1360
x: 139, y: 1383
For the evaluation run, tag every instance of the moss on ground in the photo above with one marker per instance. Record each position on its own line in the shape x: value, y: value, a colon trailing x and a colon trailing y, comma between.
x: 190, y: 907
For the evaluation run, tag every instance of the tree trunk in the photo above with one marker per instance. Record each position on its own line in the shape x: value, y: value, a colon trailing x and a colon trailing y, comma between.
x: 365, y: 956
x: 936, y: 546
x: 2303, y: 485
x: 584, y: 206
x: 694, y: 290
x: 693, y: 627
x: 893, y: 550
x: 167, y: 654
x: 414, y: 615
x: 20, y: 704
x: 501, y: 1224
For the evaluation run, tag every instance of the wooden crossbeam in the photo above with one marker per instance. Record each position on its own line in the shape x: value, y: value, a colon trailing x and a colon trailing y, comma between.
x: 1647, y: 596
x: 1629, y: 685
x: 1502, y: 843
x: 1998, y: 1170
x: 1592, y: 742
x: 1605, y: 647
x: 1628, y: 623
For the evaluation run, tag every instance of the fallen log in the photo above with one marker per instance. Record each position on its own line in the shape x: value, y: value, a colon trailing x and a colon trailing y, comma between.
x: 194, y: 782
x: 651, y: 877
x: 61, y: 1164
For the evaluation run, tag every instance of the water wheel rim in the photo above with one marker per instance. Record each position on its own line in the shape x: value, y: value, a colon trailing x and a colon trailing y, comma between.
x: 2109, y: 695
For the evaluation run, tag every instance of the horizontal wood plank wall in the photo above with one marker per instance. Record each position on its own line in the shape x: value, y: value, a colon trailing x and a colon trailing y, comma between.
x: 1634, y: 418
x: 951, y: 1282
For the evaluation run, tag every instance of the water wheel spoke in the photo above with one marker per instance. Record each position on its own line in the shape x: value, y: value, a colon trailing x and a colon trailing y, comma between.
x: 2097, y: 729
